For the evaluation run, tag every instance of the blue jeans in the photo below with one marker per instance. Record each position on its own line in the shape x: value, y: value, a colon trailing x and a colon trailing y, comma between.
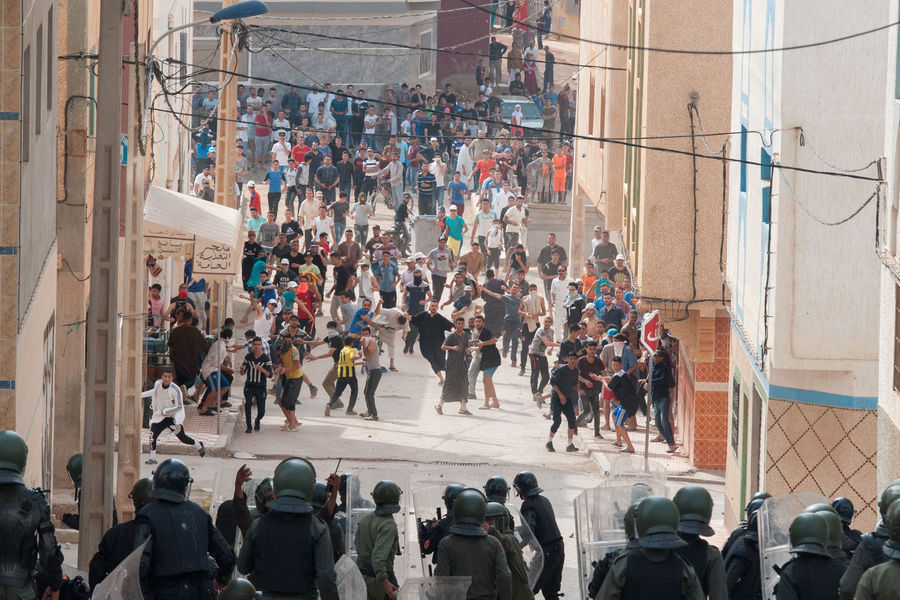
x: 661, y: 416
x: 371, y: 140
x: 411, y: 174
x: 339, y: 229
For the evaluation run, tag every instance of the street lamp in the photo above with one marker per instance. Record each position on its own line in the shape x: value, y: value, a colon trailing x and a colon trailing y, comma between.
x: 241, y: 10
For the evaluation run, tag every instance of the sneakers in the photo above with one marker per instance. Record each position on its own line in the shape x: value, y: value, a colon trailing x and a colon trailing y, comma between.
x: 571, y: 448
x: 438, y: 409
x: 313, y: 390
x: 249, y: 429
x: 338, y: 404
x: 522, y: 372
x: 536, y: 397
x: 256, y: 425
x: 371, y: 418
x: 350, y: 412
x: 549, y: 446
x: 201, y: 450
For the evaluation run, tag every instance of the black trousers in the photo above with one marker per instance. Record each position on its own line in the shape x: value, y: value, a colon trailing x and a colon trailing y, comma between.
x: 342, y: 384
x: 168, y: 423
x: 252, y: 392
x: 411, y: 337
x: 590, y: 400
x: 372, y: 380
x: 525, y: 339
x: 437, y: 286
x: 388, y: 299
x: 539, y: 367
x: 558, y: 410
x: 549, y: 581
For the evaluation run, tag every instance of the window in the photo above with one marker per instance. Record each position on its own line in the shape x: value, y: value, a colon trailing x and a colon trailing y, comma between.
x: 51, y: 72
x: 767, y: 204
x: 26, y: 105
x: 735, y: 414
x: 425, y: 56
x: 39, y: 80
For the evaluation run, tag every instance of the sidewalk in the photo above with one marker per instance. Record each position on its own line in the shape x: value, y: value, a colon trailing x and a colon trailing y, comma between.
x: 202, y: 429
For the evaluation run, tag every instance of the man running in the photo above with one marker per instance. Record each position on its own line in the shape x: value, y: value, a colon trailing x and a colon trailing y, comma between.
x: 167, y: 405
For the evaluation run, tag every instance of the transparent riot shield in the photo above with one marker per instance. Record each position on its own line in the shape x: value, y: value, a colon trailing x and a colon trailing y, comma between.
x: 357, y: 507
x: 350, y: 582
x: 428, y: 509
x: 434, y: 588
x: 773, y: 523
x: 600, y: 519
x: 123, y: 582
x: 532, y: 552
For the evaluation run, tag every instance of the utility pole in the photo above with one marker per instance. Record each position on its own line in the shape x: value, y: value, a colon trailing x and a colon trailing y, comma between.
x: 226, y: 137
x: 102, y: 320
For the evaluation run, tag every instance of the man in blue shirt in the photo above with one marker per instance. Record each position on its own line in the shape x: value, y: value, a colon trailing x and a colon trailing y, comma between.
x: 609, y: 313
x: 277, y: 181
x: 458, y: 192
x: 387, y: 273
x: 425, y: 186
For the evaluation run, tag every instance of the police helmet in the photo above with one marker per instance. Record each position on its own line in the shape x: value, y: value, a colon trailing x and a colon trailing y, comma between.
x: 844, y: 508
x: 888, y: 496
x: 809, y: 534
x: 656, y: 520
x: 238, y: 589
x: 630, y: 531
x: 74, y: 468
x: 293, y: 482
x: 171, y: 481
x: 13, y: 455
x: 526, y: 485
x: 891, y: 547
x: 140, y: 493
x: 752, y: 531
x: 450, y: 494
x: 752, y: 507
x: 496, y: 489
x: 320, y: 495
x: 496, y: 514
x: 695, y: 510
x: 469, y: 509
x: 387, y: 497
x: 264, y: 493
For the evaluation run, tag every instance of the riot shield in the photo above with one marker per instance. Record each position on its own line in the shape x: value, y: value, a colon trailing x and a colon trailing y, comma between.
x: 123, y: 582
x: 600, y: 519
x: 532, y: 552
x: 434, y: 588
x: 357, y: 508
x: 428, y: 508
x: 350, y: 582
x: 773, y: 523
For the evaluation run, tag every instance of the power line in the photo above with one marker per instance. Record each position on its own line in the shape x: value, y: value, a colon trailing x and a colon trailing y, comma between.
x: 369, y: 18
x: 702, y: 52
x: 544, y: 132
x: 818, y: 219
x: 424, y: 49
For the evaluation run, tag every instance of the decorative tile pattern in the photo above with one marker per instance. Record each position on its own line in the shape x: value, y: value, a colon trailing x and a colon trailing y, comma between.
x: 830, y: 450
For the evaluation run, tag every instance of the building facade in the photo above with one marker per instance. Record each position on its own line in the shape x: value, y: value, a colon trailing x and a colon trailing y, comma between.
x: 803, y: 383
x: 28, y: 59
x: 666, y: 203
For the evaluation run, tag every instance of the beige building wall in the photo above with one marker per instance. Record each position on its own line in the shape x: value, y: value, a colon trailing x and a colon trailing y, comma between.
x: 28, y: 52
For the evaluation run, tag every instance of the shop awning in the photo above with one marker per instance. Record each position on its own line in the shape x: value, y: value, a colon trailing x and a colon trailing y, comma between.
x: 176, y: 224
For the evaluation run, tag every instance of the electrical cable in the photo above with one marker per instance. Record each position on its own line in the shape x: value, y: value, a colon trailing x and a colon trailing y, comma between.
x: 544, y: 132
x: 67, y: 111
x: 804, y: 143
x: 367, y: 18
x: 704, y: 52
x: 424, y: 49
x: 817, y: 219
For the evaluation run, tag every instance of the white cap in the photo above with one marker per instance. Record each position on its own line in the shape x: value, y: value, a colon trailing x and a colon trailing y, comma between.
x: 620, y: 257
x: 251, y: 183
x: 419, y: 255
x: 293, y: 284
x: 434, y: 139
x: 285, y: 261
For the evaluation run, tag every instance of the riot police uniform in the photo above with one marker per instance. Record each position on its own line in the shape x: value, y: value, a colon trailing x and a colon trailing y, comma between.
x: 812, y: 574
x: 497, y: 490
x: 882, y: 580
x: 180, y: 537
x: 869, y: 552
x: 835, y: 532
x: 496, y: 515
x: 468, y: 550
x: 602, y: 567
x: 695, y: 510
x: 431, y: 536
x: 25, y: 526
x: 742, y: 574
x: 118, y: 542
x: 851, y: 537
x: 243, y: 514
x: 652, y: 571
x: 755, y: 503
x: 378, y: 541
x: 538, y: 514
x: 287, y: 549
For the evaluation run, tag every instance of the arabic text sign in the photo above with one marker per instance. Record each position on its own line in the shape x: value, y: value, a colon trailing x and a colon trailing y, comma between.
x: 213, y: 259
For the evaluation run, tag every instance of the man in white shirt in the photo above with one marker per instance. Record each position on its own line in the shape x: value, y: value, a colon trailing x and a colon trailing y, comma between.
x: 559, y: 288
x: 243, y: 128
x: 167, y: 407
x: 500, y: 198
x: 309, y: 210
x: 516, y: 221
x: 313, y: 98
x: 370, y: 122
x: 406, y: 125
x: 278, y: 125
x: 324, y: 224
x: 204, y: 176
x: 281, y: 150
x: 484, y: 219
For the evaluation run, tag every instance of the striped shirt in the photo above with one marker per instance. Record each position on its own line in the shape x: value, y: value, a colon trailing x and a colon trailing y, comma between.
x: 345, y: 365
x: 255, y: 376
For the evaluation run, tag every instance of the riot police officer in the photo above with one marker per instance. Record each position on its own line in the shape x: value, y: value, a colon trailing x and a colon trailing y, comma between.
x: 287, y: 548
x: 754, y: 505
x: 468, y: 550
x: 851, y: 537
x: 433, y: 534
x: 538, y: 514
x: 73, y: 468
x: 835, y: 532
x: 242, y: 515
x: 883, y: 580
x: 812, y: 574
x: 180, y: 537
x: 497, y: 519
x: 742, y: 574
x: 868, y: 553
x: 695, y: 510
x: 323, y: 503
x: 602, y: 567
x: 497, y: 490
x: 378, y: 542
x: 25, y: 527
x: 653, y: 570
x: 118, y: 542
x: 238, y: 589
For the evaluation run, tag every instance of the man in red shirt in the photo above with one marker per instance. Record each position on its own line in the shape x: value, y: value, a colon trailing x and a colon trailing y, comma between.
x: 484, y: 166
x: 262, y: 134
x: 306, y: 304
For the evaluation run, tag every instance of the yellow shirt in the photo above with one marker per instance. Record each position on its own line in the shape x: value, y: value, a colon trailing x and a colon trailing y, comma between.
x: 345, y: 366
x: 291, y: 363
